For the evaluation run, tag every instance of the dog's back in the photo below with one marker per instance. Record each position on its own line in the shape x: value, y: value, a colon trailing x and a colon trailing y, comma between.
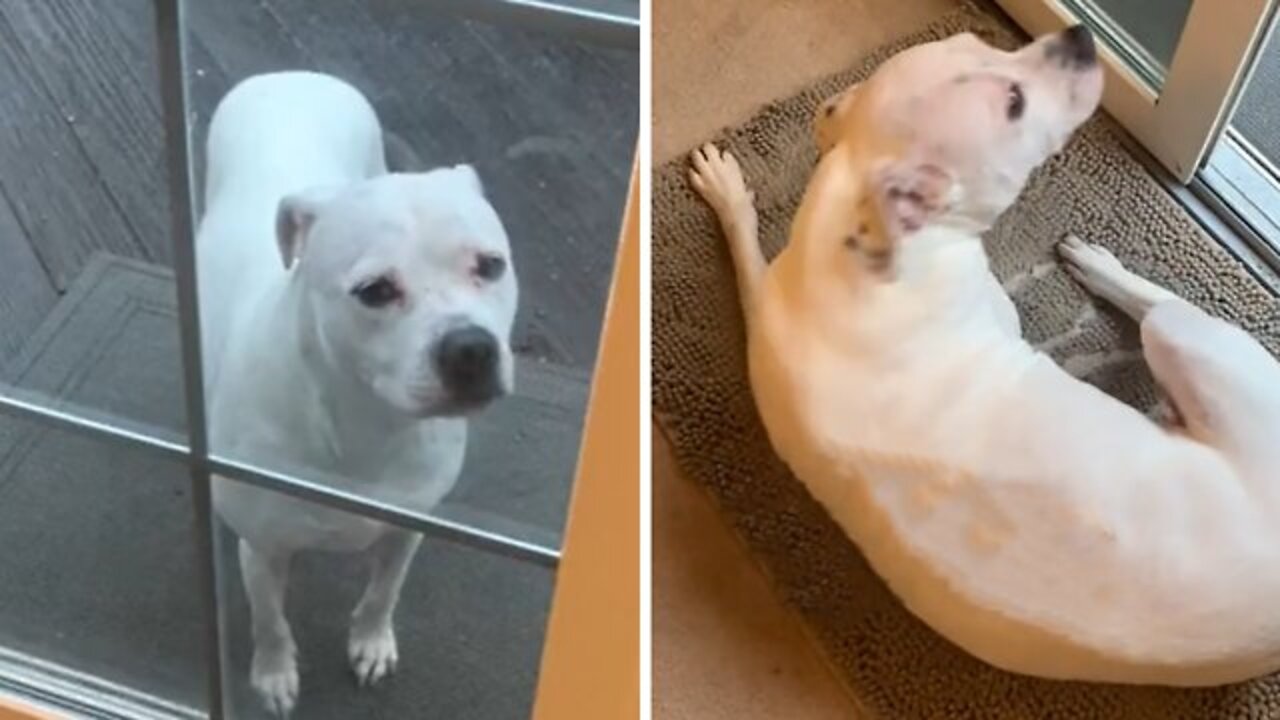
x: 272, y: 135
x: 289, y: 130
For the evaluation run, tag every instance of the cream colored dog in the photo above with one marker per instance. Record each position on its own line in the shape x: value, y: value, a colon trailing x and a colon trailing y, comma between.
x: 1040, y: 524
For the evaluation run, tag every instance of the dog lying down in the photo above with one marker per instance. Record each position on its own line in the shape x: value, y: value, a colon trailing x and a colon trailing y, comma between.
x: 1038, y: 523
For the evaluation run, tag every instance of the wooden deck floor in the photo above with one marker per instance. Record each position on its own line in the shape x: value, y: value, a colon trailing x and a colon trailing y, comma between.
x: 549, y: 123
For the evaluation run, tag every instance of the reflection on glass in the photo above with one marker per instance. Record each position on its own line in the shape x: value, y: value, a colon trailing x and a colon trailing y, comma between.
x: 99, y: 571
x: 1145, y: 32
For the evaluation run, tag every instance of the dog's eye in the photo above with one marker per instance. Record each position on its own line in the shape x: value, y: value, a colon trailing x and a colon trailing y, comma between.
x: 377, y: 293
x: 490, y: 267
x: 1016, y: 102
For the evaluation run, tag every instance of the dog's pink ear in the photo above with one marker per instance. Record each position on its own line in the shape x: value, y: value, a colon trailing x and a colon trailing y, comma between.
x: 908, y: 194
x: 294, y: 218
x: 900, y: 198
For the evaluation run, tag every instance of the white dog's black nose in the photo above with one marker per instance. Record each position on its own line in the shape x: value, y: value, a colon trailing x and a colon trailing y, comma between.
x: 1074, y: 48
x: 468, y: 359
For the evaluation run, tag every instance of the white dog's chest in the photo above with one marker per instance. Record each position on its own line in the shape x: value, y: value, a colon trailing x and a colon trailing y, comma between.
x: 413, y: 471
x: 279, y: 523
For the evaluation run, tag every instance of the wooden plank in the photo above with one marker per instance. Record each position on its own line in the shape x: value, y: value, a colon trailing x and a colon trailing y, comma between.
x: 560, y: 103
x: 132, y: 23
x: 98, y: 61
x: 244, y: 38
x: 26, y: 293
x: 423, y: 87
x: 588, y: 100
x: 53, y: 187
x: 108, y: 88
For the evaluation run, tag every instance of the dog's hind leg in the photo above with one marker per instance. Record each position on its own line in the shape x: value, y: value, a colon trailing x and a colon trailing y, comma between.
x: 1094, y: 267
x: 1225, y: 386
x: 372, y: 645
x: 274, y: 673
x: 718, y: 179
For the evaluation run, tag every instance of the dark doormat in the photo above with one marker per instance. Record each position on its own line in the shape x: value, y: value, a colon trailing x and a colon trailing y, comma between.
x: 97, y: 573
x: 894, y: 666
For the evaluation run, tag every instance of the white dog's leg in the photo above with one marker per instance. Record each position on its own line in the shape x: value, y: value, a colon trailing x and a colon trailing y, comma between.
x: 718, y: 178
x: 372, y: 645
x: 1226, y: 385
x: 1102, y: 274
x: 1222, y: 382
x: 274, y: 673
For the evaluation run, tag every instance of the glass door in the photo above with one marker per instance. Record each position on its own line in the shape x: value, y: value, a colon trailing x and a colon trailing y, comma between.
x: 1174, y: 67
x: 131, y: 591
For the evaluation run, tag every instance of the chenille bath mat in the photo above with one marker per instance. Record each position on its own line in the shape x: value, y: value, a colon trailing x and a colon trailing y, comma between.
x: 894, y: 666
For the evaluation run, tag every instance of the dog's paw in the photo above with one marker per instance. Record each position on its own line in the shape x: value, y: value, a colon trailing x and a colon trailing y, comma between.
x: 274, y: 676
x: 1089, y: 264
x: 372, y: 652
x: 718, y: 179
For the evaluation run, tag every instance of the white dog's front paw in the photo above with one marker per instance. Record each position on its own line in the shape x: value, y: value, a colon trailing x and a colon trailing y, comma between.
x: 1089, y: 264
x: 275, y: 677
x: 373, y: 653
x: 718, y: 179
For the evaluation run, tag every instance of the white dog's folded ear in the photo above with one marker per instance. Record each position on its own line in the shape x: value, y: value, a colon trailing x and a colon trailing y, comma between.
x: 468, y: 175
x: 294, y: 218
x: 908, y: 194
x: 900, y: 197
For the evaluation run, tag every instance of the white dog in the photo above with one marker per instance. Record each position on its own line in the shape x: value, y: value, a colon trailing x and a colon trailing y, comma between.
x: 351, y: 319
x: 1040, y: 524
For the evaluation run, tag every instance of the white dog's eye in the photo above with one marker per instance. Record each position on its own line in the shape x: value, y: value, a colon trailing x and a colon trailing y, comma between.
x: 377, y: 293
x: 489, y: 267
x: 1016, y: 102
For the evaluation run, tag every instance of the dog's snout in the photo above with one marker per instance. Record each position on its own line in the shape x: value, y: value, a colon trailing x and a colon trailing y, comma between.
x: 1074, y: 48
x: 468, y: 360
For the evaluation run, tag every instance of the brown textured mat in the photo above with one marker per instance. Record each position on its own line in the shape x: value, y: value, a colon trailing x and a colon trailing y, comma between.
x: 893, y: 664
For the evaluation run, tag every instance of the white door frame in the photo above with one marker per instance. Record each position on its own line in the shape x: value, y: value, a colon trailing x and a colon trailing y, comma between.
x: 1179, y: 123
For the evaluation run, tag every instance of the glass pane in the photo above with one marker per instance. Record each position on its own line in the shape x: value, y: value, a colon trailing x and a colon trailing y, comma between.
x: 1257, y: 117
x: 98, y: 580
x: 398, y: 329
x: 468, y: 631
x: 1243, y: 170
x: 1144, y: 32
x: 87, y: 308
